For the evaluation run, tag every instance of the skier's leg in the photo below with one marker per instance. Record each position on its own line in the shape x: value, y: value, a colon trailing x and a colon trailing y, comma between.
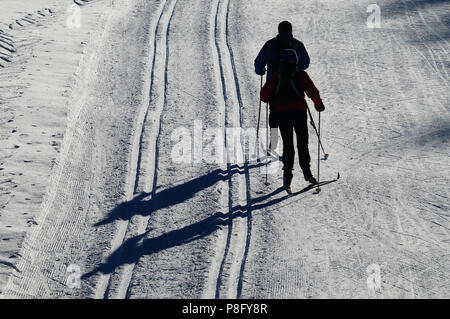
x: 273, y: 138
x: 286, y: 129
x: 301, y: 130
x: 273, y: 123
x: 287, y: 132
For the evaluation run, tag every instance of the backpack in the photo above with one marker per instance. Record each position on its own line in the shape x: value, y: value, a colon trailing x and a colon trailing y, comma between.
x: 281, y: 45
x: 288, y: 79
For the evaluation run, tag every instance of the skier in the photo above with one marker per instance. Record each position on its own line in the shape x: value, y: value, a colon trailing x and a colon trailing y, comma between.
x: 269, y: 56
x: 285, y: 89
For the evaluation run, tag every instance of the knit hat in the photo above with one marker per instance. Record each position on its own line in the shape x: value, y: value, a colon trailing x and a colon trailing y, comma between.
x: 289, y: 56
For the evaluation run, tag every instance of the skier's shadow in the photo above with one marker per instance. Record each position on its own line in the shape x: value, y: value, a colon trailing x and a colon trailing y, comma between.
x: 145, y: 204
x: 132, y: 249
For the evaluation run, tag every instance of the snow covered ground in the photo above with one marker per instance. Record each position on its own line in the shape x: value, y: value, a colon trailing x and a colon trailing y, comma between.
x: 90, y: 118
x: 40, y: 80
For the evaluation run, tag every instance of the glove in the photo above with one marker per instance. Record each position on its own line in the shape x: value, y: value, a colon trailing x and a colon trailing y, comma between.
x: 320, y: 108
x: 259, y: 72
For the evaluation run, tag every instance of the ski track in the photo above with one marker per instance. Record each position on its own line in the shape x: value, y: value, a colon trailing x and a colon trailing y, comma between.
x: 384, y: 132
x: 433, y: 64
x: 402, y: 206
x: 404, y: 162
x: 230, y: 268
x: 304, y: 265
x: 158, y: 58
x: 230, y: 276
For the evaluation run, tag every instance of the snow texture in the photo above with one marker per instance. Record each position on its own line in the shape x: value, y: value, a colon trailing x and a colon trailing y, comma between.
x: 89, y: 186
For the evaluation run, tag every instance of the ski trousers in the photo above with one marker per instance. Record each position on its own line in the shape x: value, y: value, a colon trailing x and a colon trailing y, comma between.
x: 290, y: 121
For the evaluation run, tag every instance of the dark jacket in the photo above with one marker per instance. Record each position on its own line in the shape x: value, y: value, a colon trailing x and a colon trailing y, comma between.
x: 304, y: 85
x: 269, y: 53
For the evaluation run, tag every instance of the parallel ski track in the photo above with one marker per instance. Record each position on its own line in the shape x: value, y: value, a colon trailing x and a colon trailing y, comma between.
x: 231, y: 92
x: 166, y: 10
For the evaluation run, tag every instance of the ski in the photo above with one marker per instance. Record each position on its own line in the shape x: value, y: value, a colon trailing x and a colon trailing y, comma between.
x: 275, y: 155
x: 311, y: 186
x: 272, y: 153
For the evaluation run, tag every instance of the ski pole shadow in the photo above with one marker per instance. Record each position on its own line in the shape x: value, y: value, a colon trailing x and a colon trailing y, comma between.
x: 145, y: 204
x: 134, y: 248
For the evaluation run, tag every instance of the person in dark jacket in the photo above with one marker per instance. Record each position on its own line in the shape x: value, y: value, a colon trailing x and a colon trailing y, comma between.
x: 270, y: 52
x: 269, y: 56
x: 286, y: 90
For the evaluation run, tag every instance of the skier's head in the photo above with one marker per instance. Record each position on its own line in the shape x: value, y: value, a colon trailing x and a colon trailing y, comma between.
x: 288, y: 62
x: 289, y: 57
x: 285, y: 27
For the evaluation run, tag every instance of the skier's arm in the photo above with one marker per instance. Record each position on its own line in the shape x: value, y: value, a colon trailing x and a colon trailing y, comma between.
x: 261, y: 61
x: 311, y: 90
x: 267, y: 90
x: 303, y: 56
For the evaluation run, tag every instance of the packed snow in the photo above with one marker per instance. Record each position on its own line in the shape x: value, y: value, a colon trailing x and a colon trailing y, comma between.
x: 115, y: 179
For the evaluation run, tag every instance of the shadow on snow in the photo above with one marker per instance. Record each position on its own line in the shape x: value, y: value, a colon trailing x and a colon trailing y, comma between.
x: 145, y: 204
x: 132, y: 249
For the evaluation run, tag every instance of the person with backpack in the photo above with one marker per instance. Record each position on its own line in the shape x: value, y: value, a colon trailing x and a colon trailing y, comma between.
x: 269, y: 56
x: 285, y: 90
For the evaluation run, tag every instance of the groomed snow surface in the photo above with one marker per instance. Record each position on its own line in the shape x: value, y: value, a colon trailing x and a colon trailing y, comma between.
x: 94, y: 204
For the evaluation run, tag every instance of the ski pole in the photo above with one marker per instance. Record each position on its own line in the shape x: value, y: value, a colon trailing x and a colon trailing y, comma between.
x: 318, y: 159
x: 317, y: 133
x: 267, y: 141
x: 257, y: 128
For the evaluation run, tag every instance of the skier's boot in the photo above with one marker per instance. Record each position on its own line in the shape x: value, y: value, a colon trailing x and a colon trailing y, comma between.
x: 287, y: 179
x: 309, y: 177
